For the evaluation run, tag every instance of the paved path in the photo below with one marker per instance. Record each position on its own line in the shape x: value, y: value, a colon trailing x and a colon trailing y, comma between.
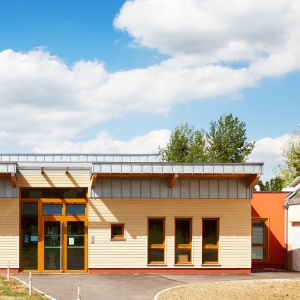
x: 129, y: 286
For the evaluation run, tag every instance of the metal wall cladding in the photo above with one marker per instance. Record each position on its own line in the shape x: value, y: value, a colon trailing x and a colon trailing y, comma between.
x: 183, y: 188
x: 6, y: 189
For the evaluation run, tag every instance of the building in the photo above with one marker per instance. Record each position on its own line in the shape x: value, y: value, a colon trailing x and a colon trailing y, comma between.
x: 96, y: 213
x: 268, y: 230
x: 292, y: 225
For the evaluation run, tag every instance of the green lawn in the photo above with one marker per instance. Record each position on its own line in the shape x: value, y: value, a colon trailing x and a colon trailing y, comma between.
x: 16, y: 290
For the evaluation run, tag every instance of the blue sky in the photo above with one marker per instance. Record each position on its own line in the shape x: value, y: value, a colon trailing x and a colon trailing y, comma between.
x: 117, y: 76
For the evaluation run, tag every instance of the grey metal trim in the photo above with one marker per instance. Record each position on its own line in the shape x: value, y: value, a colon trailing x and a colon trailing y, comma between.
x: 172, y: 168
x: 79, y: 157
x: 8, y: 167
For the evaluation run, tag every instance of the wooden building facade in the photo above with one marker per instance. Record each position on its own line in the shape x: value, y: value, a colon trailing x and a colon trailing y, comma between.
x: 100, y: 213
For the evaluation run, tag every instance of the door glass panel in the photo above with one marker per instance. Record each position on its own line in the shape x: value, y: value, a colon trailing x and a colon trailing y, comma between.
x: 75, y: 245
x: 29, y: 236
x: 52, y: 209
x: 52, y: 245
x: 75, y: 209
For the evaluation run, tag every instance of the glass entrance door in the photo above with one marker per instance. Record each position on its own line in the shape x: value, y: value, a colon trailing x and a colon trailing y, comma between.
x: 53, y: 245
x: 75, y: 245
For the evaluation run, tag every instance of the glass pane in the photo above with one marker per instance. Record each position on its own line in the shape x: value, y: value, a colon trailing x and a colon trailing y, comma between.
x: 53, y: 193
x: 156, y: 232
x: 52, y: 209
x: 209, y: 255
x: 183, y: 230
x: 210, y: 232
x: 75, y: 244
x: 258, y: 236
x: 258, y: 253
x: 29, y: 236
x: 156, y: 255
x: 75, y: 209
x: 117, y: 230
x: 52, y: 246
x: 183, y: 255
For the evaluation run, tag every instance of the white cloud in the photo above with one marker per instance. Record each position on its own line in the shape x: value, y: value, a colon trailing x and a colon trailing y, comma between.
x: 269, y: 151
x: 43, y: 100
x: 105, y: 143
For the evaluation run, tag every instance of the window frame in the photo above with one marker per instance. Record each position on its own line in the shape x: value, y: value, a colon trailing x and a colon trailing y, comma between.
x: 183, y: 246
x: 264, y: 245
x: 156, y: 246
x: 211, y: 246
x: 119, y: 237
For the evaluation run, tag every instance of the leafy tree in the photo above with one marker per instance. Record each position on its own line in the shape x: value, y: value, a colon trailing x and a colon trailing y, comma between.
x: 225, y: 142
x: 185, y: 145
x: 290, y: 169
x: 275, y: 184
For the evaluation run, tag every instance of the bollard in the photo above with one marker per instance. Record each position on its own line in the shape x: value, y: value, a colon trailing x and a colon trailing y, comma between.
x: 8, y: 271
x: 78, y: 293
x: 30, y: 284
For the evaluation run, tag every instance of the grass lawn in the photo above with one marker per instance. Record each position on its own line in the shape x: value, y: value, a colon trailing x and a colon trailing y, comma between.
x: 14, y: 289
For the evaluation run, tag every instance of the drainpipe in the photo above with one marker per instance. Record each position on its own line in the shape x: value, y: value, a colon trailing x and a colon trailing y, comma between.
x: 286, y: 206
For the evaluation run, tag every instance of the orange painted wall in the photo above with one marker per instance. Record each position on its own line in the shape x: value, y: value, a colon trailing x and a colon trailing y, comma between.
x: 269, y: 205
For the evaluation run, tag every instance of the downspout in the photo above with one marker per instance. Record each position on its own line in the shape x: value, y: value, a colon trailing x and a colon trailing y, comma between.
x: 286, y: 207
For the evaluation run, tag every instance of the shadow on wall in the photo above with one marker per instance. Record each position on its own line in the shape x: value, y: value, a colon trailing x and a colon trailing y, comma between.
x: 277, y: 250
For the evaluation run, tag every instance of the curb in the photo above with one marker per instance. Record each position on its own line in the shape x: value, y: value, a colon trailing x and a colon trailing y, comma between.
x: 40, y: 292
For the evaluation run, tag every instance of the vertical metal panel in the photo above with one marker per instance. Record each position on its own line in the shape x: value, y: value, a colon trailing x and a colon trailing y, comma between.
x: 249, y: 169
x: 177, y: 169
x: 106, y: 168
x: 136, y: 169
x: 208, y: 169
x: 188, y: 169
x: 6, y: 189
x: 126, y: 169
x: 116, y: 188
x: 126, y: 159
x: 118, y: 158
x: 167, y: 169
x: 147, y: 169
x: 184, y: 188
x: 232, y: 189
x: 65, y: 158
x: 97, y: 190
x: 242, y: 189
x: 175, y: 190
x: 100, y: 158
x: 56, y: 158
x: 213, y: 189
x: 164, y: 188
x: 157, y: 169
x: 239, y: 169
x: 204, y: 189
x: 145, y: 188
x: 106, y: 188
x: 116, y: 168
x: 136, y: 188
x: 228, y: 169
x: 198, y: 169
x: 126, y: 188
x: 155, y: 188
x: 134, y: 158
x: 194, y: 188
x: 223, y: 188
x: 218, y: 169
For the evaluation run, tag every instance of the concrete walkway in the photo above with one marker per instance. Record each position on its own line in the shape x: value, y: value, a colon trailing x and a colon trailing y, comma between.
x: 129, y: 286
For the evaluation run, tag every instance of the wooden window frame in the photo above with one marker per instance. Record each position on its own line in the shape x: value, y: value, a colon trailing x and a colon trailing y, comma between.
x: 184, y: 246
x: 156, y: 246
x: 211, y: 246
x: 117, y: 236
x: 264, y: 245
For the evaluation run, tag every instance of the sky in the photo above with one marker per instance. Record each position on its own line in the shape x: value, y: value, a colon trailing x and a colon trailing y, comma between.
x: 119, y: 76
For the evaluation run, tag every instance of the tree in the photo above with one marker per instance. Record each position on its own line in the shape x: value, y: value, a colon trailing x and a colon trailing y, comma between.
x: 225, y: 142
x: 275, y: 184
x: 185, y: 145
x: 290, y: 169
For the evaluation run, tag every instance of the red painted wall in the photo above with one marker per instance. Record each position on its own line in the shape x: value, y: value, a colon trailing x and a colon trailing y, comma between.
x: 269, y: 205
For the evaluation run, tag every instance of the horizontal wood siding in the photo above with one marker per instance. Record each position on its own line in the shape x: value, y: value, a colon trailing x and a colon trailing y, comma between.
x: 53, y: 180
x: 235, y: 230
x: 9, y: 232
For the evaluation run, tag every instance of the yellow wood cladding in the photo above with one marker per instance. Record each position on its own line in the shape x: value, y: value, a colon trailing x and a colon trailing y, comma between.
x: 9, y: 232
x: 53, y: 180
x: 235, y: 230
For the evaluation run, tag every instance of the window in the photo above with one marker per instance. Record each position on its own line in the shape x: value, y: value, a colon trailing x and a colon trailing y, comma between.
x: 117, y: 231
x: 183, y: 241
x: 75, y: 209
x: 52, y: 209
x: 260, y: 239
x: 156, y: 241
x: 210, y: 241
